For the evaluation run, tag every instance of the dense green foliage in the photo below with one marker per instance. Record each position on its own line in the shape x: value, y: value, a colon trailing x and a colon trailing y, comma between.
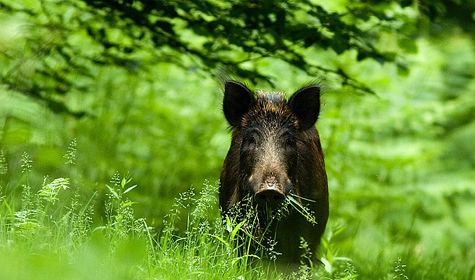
x: 92, y: 87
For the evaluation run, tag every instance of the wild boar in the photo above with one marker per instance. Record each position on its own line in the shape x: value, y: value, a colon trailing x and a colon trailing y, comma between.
x: 276, y: 160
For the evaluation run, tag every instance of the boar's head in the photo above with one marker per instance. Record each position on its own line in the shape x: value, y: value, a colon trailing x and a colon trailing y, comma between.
x: 268, y: 141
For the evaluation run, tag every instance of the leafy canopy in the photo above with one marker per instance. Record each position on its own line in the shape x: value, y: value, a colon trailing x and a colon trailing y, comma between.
x: 69, y: 41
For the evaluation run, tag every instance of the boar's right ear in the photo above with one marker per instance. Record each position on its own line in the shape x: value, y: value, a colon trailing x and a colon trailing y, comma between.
x: 305, y: 104
x: 238, y: 99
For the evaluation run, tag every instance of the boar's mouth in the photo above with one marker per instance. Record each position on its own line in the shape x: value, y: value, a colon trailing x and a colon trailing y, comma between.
x: 271, y: 200
x: 269, y: 197
x: 273, y: 204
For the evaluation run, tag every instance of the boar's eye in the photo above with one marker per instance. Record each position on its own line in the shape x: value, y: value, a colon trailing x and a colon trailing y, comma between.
x: 289, y: 142
x: 250, y: 141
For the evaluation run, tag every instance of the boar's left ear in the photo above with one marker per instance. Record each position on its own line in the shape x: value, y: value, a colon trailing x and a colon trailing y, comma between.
x: 305, y: 104
x: 238, y: 100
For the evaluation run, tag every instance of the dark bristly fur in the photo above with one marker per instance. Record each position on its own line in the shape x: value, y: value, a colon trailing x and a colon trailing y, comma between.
x: 275, y: 148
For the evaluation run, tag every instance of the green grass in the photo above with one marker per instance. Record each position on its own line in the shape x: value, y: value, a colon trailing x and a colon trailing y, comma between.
x: 47, y: 231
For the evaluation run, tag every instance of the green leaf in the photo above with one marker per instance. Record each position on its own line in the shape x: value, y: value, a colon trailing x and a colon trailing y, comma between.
x: 114, y: 193
x: 129, y: 189
x: 402, y: 70
x: 408, y: 45
x: 326, y: 265
x: 221, y: 240
x: 127, y: 204
x: 235, y: 230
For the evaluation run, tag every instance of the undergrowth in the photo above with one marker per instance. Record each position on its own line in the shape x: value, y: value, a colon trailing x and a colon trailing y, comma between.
x: 47, y: 231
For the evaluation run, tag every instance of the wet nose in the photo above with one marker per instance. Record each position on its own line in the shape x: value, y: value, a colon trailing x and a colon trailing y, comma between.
x: 269, y: 196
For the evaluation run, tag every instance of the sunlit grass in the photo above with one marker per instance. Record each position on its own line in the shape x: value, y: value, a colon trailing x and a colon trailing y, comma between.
x: 46, y: 234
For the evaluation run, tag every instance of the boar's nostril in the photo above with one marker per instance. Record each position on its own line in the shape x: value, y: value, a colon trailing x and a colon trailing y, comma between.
x: 271, y: 197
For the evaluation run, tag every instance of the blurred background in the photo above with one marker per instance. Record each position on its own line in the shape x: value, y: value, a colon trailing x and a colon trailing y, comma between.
x: 136, y: 87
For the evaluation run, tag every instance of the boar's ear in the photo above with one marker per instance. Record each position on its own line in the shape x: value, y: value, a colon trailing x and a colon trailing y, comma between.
x: 238, y: 99
x: 305, y: 104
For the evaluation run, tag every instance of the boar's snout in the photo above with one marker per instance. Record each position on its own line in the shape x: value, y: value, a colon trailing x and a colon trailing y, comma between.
x: 269, y: 193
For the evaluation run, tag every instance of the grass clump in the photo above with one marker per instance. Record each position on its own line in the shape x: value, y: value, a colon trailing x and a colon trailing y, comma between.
x: 48, y: 230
